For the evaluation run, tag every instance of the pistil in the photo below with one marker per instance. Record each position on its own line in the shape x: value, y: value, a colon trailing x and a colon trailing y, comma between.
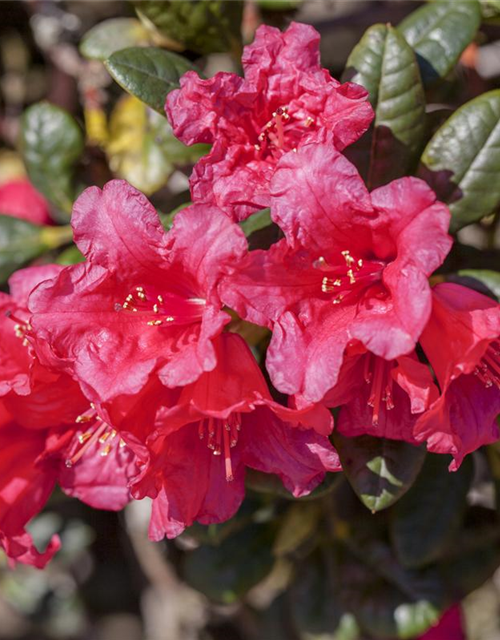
x: 377, y: 371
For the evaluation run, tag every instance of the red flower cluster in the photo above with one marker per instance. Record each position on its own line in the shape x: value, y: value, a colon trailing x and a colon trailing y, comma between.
x: 121, y: 378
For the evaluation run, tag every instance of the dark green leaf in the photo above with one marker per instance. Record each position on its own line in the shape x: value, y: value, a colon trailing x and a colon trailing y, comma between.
x: 439, y: 32
x: 51, y: 144
x: 279, y: 5
x: 424, y: 521
x: 204, y: 26
x: 379, y: 470
x: 462, y: 160
x: 256, y: 221
x: 386, y: 66
x: 491, y: 279
x: 387, y: 600
x: 112, y: 35
x: 148, y: 73
x: 225, y: 572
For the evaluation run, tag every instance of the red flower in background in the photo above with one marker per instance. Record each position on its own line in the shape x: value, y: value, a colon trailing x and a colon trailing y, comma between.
x: 144, y: 303
x: 20, y: 199
x: 209, y: 431
x: 48, y: 433
x: 354, y: 267
x: 285, y: 101
x: 449, y: 627
x: 462, y: 343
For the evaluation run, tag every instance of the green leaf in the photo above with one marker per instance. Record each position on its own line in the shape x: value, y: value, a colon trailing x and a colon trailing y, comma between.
x: 256, y: 222
x: 439, y: 32
x: 148, y: 73
x: 279, y: 5
x: 225, y: 572
x: 379, y: 470
x: 425, y: 520
x: 142, y: 148
x: 51, y: 144
x: 71, y: 255
x: 462, y: 160
x: 203, y: 26
x: 385, y: 65
x: 112, y: 35
x: 21, y: 242
x: 490, y: 279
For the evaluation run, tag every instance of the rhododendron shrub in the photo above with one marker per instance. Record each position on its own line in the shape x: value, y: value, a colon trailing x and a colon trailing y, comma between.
x: 297, y: 370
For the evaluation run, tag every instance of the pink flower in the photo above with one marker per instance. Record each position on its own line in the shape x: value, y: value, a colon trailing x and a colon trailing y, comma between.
x: 354, y: 266
x: 48, y: 432
x: 209, y: 431
x: 462, y: 343
x: 285, y: 101
x: 449, y: 627
x: 144, y: 304
x: 398, y: 398
x: 382, y: 398
x: 20, y: 199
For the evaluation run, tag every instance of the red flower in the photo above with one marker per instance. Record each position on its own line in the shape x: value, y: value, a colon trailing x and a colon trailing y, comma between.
x: 209, y: 431
x: 353, y: 267
x: 41, y: 436
x: 379, y: 397
x: 24, y: 490
x: 449, y: 627
x: 20, y: 199
x: 144, y: 303
x: 462, y: 343
x: 285, y: 100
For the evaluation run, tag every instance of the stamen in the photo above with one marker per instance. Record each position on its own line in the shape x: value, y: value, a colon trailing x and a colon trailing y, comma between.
x: 382, y: 379
x: 352, y: 278
x: 227, y: 456
x: 488, y: 369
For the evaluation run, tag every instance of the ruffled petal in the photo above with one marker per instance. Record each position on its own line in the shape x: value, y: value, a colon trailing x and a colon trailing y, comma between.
x: 191, y: 484
x: 232, y: 178
x: 205, y: 110
x: 461, y: 420
x: 118, y: 228
x: 462, y: 325
x: 300, y: 457
x: 206, y: 244
x: 24, y: 490
x: 321, y: 202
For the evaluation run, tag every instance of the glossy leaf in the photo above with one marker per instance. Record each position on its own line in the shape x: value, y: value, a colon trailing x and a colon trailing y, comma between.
x: 491, y: 279
x: 256, y: 222
x: 385, y: 65
x: 51, y: 144
x: 299, y: 524
x: 225, y: 572
x: 379, y: 470
x: 148, y: 73
x: 21, y: 242
x: 462, y: 160
x: 142, y: 148
x: 424, y: 521
x: 112, y: 35
x: 439, y: 32
x: 203, y: 26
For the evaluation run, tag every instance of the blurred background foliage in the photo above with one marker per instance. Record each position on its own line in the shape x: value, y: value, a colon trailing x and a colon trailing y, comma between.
x: 378, y: 552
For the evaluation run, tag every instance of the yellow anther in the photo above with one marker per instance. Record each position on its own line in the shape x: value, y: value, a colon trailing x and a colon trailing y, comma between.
x: 154, y: 323
x: 155, y: 308
x: 160, y: 299
x: 352, y: 279
x: 84, y: 437
x: 360, y: 263
x: 169, y: 319
x: 84, y: 418
x: 105, y: 452
x: 309, y: 121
